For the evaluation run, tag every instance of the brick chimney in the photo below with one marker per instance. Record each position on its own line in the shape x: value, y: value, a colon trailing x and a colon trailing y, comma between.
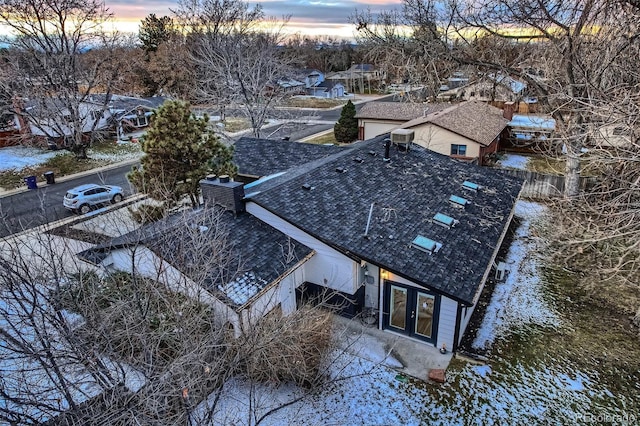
x: 508, y: 109
x: 223, y: 192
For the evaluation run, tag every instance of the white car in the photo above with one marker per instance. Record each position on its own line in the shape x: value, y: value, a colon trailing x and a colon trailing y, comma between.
x: 82, y: 198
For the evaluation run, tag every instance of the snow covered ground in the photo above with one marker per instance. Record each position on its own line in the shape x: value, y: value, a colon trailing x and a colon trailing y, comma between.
x: 517, y: 301
x: 504, y: 392
x: 513, y: 161
x: 19, y: 157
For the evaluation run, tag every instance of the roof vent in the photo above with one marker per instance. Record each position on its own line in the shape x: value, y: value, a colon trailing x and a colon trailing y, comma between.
x: 358, y: 160
x: 224, y: 178
x: 341, y: 169
x: 373, y: 153
x: 426, y: 245
x: 458, y: 201
x: 470, y: 185
x: 308, y: 187
x: 444, y: 220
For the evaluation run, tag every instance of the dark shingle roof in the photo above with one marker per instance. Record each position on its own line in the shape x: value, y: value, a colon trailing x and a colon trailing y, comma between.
x: 399, y: 111
x: 263, y: 157
x: 179, y: 240
x: 407, y: 193
x: 477, y: 121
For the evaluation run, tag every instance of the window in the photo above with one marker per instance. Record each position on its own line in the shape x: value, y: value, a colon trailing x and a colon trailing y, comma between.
x: 458, y: 150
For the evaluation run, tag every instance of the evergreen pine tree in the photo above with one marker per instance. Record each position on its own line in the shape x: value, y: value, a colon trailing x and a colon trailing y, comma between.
x: 179, y: 151
x: 346, y: 129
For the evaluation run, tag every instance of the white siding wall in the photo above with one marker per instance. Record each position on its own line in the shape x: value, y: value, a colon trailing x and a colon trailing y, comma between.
x: 327, y: 267
x: 464, y: 321
x: 446, y: 318
x: 440, y: 140
x: 447, y: 322
x: 372, y: 291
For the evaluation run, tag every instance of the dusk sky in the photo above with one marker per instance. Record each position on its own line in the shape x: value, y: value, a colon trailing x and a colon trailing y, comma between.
x: 313, y: 17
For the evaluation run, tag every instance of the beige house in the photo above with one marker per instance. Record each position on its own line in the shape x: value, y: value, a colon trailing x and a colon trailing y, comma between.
x: 468, y: 131
x: 377, y: 118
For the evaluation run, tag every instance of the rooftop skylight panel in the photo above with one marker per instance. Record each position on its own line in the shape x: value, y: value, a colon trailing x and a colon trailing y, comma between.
x: 425, y: 244
x: 458, y: 201
x: 444, y: 220
x: 470, y: 185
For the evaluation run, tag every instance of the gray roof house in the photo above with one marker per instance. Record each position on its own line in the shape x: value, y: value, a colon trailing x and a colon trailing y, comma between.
x: 236, y: 263
x: 405, y: 236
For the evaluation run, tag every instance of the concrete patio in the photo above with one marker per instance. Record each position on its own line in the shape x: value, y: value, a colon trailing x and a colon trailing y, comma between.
x: 406, y: 355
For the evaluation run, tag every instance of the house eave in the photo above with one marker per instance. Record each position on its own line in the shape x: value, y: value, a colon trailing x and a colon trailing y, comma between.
x: 274, y: 283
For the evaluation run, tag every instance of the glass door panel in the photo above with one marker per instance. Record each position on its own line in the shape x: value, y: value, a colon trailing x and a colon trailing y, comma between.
x: 424, y: 314
x: 398, y: 308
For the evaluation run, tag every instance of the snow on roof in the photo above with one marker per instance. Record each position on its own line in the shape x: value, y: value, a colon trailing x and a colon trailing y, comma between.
x: 243, y: 288
x: 533, y: 121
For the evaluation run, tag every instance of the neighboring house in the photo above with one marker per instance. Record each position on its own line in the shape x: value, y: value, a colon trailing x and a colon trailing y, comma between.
x: 131, y: 113
x: 406, y: 237
x: 311, y: 77
x: 51, y: 122
x: 491, y: 87
x: 291, y: 86
x: 45, y: 120
x: 327, y: 89
x: 359, y: 77
x: 467, y: 131
x: 376, y: 118
x: 530, y: 131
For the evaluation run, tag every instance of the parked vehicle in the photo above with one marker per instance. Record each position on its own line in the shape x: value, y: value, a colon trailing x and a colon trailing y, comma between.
x: 82, y: 198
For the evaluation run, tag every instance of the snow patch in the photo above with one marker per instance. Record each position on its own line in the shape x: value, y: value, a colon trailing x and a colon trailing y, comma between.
x: 19, y: 157
x: 243, y: 288
x: 517, y: 301
x: 513, y: 161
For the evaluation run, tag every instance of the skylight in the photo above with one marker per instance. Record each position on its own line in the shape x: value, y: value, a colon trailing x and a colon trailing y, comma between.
x: 425, y: 244
x: 470, y: 185
x: 263, y: 179
x: 443, y: 219
x: 459, y: 201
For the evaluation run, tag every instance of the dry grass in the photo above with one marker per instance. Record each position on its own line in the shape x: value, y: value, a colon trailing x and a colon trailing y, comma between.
x: 323, y: 139
x: 236, y: 124
x: 312, y: 102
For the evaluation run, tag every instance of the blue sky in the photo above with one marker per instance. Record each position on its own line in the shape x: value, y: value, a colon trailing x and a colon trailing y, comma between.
x: 314, y: 17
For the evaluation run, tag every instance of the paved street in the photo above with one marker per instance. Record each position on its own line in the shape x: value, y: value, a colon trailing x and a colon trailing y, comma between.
x: 28, y: 209
x: 33, y: 208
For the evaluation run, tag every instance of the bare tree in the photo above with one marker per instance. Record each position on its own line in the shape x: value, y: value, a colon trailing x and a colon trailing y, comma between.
x: 50, y: 41
x: 89, y: 345
x: 236, y: 50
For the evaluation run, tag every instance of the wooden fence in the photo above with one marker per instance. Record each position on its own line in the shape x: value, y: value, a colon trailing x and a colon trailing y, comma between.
x: 540, y: 185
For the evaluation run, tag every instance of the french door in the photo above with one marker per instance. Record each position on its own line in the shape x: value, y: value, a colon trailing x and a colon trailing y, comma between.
x: 411, y: 311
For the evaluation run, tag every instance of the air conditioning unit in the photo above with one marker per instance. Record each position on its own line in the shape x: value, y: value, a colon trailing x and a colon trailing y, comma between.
x: 402, y: 138
x: 501, y: 271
